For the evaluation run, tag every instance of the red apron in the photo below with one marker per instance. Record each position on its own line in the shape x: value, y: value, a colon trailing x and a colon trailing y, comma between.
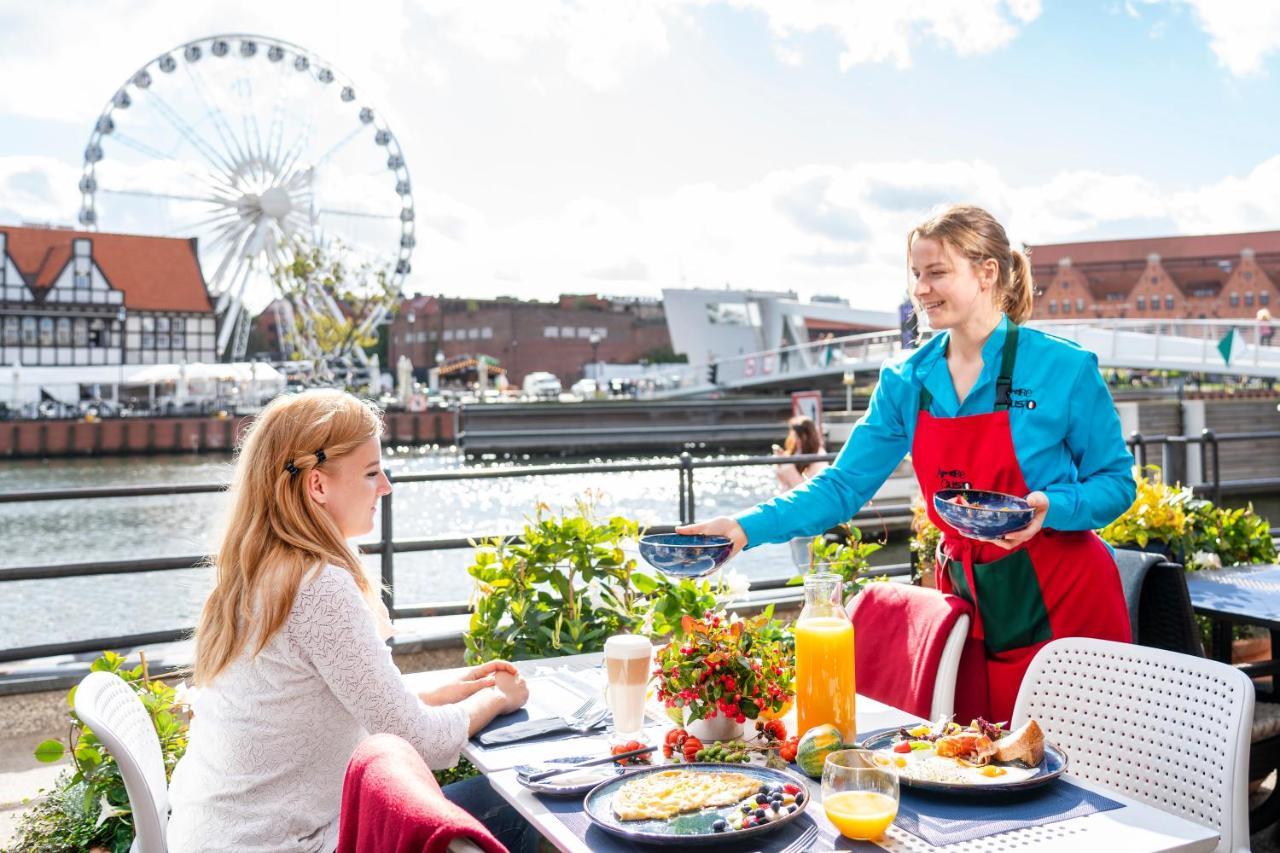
x: 1060, y: 583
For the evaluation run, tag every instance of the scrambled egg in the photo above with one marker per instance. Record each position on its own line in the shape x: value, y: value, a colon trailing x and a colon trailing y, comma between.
x: 667, y: 793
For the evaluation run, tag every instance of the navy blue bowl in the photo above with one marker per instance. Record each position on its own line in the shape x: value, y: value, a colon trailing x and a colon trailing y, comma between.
x: 685, y: 556
x: 994, y: 514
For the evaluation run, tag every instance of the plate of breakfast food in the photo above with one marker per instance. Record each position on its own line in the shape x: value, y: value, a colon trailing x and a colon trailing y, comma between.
x: 698, y: 803
x: 982, y: 758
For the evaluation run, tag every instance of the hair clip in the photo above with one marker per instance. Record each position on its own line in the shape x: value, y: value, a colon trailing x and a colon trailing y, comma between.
x: 291, y: 468
x: 319, y: 456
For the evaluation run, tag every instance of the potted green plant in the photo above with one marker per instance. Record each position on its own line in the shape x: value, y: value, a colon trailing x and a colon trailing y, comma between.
x: 846, y: 555
x: 723, y: 670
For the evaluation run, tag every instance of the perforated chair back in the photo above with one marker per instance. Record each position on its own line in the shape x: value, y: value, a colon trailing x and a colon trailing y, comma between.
x: 1168, y: 729
x: 108, y: 706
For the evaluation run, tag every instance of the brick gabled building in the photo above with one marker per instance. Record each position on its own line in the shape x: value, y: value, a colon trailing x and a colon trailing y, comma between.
x: 74, y: 298
x: 1219, y: 276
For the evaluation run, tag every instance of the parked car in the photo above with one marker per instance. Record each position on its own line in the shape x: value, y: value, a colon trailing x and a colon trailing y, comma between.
x: 585, y: 388
x: 541, y: 384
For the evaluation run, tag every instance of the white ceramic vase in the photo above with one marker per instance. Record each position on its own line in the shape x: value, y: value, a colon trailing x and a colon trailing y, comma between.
x: 718, y: 728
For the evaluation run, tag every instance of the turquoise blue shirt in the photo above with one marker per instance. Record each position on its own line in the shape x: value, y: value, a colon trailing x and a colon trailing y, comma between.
x: 1066, y: 435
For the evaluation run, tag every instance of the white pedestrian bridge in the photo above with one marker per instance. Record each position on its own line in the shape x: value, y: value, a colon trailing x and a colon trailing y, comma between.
x: 1191, y: 346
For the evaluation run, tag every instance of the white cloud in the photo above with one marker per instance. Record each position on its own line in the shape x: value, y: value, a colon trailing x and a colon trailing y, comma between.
x: 874, y: 31
x: 1242, y: 33
x: 38, y: 189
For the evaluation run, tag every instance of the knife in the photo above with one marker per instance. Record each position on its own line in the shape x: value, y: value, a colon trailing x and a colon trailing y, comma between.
x: 547, y: 774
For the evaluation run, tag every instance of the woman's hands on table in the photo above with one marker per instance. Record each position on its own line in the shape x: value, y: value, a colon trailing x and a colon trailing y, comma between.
x: 503, y: 690
x: 722, y: 526
x: 472, y: 681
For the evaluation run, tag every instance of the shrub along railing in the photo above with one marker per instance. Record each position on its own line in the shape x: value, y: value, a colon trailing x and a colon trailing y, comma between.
x: 387, y: 547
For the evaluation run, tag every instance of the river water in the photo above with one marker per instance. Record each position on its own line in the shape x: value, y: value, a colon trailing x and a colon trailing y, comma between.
x: 43, y: 533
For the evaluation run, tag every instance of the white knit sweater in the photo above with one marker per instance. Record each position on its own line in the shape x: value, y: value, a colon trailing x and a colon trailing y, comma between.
x: 271, y: 736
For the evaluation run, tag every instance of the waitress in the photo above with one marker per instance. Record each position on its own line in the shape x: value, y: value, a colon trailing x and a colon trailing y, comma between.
x: 985, y: 404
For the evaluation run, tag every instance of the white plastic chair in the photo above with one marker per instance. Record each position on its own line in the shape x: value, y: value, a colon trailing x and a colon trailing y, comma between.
x: 1166, y: 728
x: 944, y: 686
x: 108, y: 706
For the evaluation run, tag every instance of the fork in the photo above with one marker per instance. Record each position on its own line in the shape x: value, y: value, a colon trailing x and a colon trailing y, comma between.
x: 806, y: 838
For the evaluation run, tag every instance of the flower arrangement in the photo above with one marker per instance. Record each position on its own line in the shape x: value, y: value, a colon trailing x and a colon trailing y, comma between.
x: 726, y: 665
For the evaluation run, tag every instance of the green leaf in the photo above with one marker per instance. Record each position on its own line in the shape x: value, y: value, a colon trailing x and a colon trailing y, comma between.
x: 50, y: 751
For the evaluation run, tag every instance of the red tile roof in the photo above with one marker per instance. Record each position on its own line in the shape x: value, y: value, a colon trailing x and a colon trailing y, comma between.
x: 1168, y: 248
x: 155, y: 273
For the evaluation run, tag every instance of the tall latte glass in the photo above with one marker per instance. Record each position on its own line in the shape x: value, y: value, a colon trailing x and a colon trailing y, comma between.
x: 626, y: 660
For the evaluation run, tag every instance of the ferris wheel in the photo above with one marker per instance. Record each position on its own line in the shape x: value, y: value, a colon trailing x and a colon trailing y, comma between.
x: 252, y: 145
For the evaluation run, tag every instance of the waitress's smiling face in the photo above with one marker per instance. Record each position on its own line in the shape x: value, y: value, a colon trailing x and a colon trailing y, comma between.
x: 950, y: 288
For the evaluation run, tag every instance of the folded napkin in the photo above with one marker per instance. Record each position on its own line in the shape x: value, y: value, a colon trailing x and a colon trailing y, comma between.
x: 392, y: 804
x: 552, y: 693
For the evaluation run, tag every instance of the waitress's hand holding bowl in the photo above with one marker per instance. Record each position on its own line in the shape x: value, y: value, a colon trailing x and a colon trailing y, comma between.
x: 1039, y: 502
x: 720, y: 526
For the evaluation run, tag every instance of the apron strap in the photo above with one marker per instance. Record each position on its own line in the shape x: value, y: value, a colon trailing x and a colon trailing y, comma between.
x: 1004, y: 382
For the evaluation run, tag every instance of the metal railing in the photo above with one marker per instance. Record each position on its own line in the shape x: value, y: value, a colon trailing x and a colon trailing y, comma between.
x: 387, y: 546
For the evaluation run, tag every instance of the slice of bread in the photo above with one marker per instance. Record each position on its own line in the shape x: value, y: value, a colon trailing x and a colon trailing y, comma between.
x: 1026, y: 744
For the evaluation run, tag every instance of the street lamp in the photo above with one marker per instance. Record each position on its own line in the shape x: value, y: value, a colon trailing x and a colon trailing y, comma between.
x: 594, y: 340
x: 411, y: 319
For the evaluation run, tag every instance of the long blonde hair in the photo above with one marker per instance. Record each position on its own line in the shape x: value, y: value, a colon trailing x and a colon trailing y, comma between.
x: 977, y: 235
x: 275, y: 533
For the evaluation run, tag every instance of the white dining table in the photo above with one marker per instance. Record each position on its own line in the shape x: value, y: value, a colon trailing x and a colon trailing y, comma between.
x: 1135, y: 827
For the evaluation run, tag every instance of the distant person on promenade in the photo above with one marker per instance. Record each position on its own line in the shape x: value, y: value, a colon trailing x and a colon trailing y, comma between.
x: 802, y: 440
x: 292, y: 669
x: 1266, y: 331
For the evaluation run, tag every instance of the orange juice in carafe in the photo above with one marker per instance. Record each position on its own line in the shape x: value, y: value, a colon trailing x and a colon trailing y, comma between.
x: 825, y: 690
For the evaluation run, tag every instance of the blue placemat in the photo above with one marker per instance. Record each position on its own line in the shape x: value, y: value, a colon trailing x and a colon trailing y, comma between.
x: 941, y: 820
x: 543, y: 705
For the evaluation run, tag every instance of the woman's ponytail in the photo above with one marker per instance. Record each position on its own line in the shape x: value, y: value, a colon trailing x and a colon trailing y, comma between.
x: 1017, y: 292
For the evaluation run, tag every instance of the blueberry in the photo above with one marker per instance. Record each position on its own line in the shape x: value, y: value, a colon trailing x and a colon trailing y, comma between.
x: 759, y: 814
x: 764, y: 788
x: 720, y: 825
x: 762, y: 799
x: 746, y: 808
x: 799, y: 798
x: 791, y: 809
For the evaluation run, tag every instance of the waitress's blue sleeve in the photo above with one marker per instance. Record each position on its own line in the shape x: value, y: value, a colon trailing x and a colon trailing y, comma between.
x: 875, y: 447
x: 1095, y: 485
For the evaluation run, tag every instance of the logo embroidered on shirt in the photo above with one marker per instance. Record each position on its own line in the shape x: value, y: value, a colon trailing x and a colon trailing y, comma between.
x: 1020, y: 398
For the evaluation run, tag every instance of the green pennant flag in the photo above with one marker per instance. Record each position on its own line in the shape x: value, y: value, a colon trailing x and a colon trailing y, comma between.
x: 1227, y: 345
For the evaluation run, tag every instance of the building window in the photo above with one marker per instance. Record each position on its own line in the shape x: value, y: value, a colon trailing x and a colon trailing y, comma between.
x: 1155, y: 279
x: 63, y: 332
x: 1168, y: 303
x: 1264, y: 298
x: 28, y: 331
x: 177, y: 324
x: 1142, y: 303
x: 1248, y: 298
x: 1079, y: 304
x: 148, y: 323
x: 733, y: 314
x: 486, y: 332
x: 1066, y: 306
x: 162, y: 324
x: 162, y: 340
x: 431, y: 336
x: 1235, y: 300
x: 79, y: 332
x: 551, y: 331
x: 584, y: 332
x: 1053, y: 306
x: 81, y: 280
x: 566, y: 331
x: 179, y: 340
x: 1065, y: 284
x: 46, y: 331
x: 11, y: 331
x: 148, y: 339
x: 448, y: 334
x: 98, y: 336
x: 600, y: 333
x: 1248, y: 276
x: 473, y: 334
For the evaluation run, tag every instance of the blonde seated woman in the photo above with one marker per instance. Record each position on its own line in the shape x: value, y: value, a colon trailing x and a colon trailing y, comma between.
x: 292, y: 669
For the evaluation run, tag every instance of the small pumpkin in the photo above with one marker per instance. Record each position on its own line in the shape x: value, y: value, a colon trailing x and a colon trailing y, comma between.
x: 815, y: 746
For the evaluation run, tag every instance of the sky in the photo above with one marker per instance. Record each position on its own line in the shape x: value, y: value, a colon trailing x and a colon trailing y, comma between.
x: 624, y: 146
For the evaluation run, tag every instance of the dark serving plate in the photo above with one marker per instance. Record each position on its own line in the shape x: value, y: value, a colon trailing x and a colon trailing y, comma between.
x: 684, y: 556
x: 1053, y: 765
x: 995, y: 515
x: 694, y: 827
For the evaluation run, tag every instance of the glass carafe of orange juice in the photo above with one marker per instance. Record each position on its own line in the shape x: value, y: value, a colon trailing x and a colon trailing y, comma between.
x: 824, y: 659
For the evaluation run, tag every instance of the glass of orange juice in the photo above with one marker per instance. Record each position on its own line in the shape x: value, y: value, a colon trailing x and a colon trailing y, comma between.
x: 859, y: 797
